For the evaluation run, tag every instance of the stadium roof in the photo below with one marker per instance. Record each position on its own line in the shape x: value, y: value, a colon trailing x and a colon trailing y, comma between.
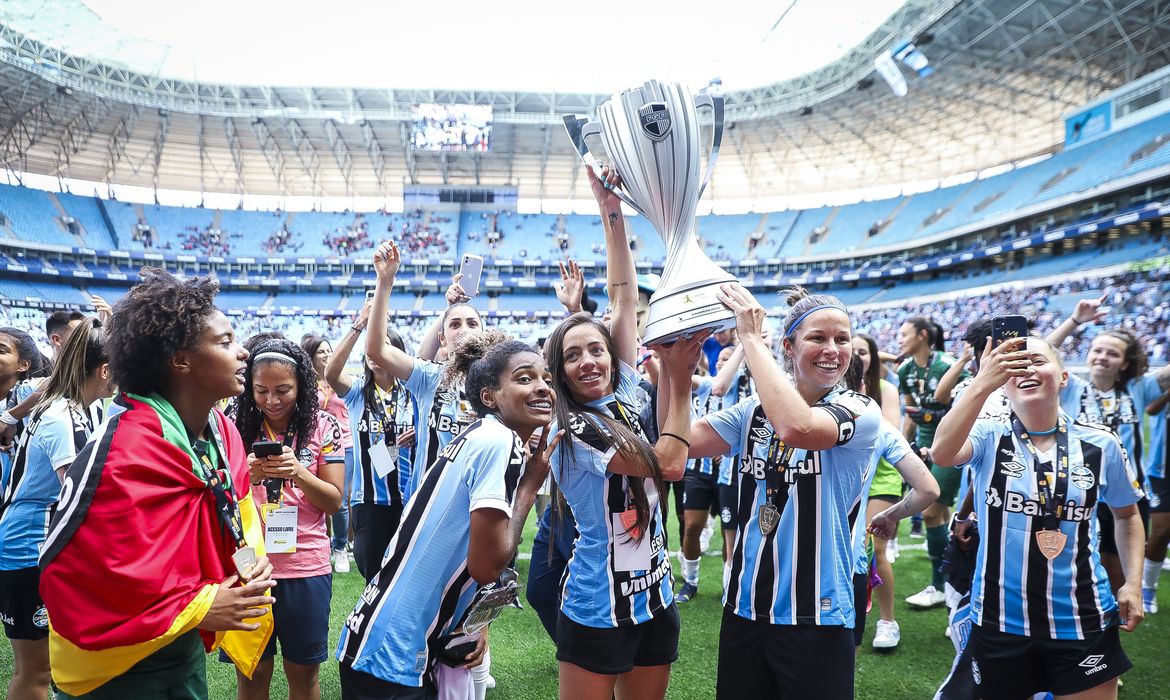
x: 1005, y: 72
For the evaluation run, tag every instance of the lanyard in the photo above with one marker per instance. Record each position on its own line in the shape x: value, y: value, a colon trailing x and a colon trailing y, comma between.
x: 619, y: 413
x: 273, y: 486
x: 389, y: 410
x: 1123, y: 411
x: 1051, y: 495
x: 219, y: 481
x: 920, y: 375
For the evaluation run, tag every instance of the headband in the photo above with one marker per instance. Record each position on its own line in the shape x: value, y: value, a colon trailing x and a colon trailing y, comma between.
x: 792, y: 327
x: 273, y: 355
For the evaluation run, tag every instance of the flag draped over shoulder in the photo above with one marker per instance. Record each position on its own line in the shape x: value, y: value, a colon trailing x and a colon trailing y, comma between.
x: 135, y: 551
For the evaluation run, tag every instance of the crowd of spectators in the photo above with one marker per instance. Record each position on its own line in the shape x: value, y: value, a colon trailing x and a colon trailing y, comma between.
x: 419, y: 233
x: 281, y: 241
x: 206, y: 241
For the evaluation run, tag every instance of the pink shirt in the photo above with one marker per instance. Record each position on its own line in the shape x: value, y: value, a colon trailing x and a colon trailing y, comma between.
x: 312, y: 555
x: 334, y: 405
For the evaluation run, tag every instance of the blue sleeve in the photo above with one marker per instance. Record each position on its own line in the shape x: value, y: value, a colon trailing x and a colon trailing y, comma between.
x: 896, y: 447
x: 1070, y: 395
x: 424, y: 378
x: 585, y: 447
x: 627, y: 389
x: 983, y: 441
x: 1119, y: 484
x: 55, y: 438
x: 354, y: 401
x: 1144, y: 390
x: 487, y: 454
x: 730, y: 423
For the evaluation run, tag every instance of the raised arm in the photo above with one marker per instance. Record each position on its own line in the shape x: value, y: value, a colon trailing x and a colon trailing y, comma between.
x: 1085, y: 311
x: 571, y: 288
x: 621, y: 276
x: 949, y: 380
x: 951, y: 445
x: 793, y: 420
x: 722, y: 381
x: 335, y: 370
x: 397, y: 363
x: 428, y: 347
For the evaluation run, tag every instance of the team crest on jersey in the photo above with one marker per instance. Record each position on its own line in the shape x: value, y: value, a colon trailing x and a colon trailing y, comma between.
x: 41, y: 617
x: 1082, y: 477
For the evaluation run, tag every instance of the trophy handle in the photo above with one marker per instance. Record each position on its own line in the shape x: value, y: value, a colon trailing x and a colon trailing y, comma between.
x: 714, y: 100
x: 581, y: 129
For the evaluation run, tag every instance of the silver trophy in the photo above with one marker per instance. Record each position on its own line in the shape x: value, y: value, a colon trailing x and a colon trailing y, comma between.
x: 651, y: 135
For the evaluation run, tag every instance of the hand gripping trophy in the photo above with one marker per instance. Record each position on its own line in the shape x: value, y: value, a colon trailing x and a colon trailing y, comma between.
x: 651, y: 137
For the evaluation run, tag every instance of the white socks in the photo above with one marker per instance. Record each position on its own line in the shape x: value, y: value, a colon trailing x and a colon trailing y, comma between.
x: 481, y: 674
x: 690, y: 570
x: 1151, y: 570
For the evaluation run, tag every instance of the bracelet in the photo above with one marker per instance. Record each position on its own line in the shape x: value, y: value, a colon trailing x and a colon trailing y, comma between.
x: 357, y: 330
x: 8, y: 419
x: 1076, y: 323
x: 676, y: 437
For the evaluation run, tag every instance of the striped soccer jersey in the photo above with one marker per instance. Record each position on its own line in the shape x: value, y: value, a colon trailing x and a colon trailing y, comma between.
x: 740, y: 383
x: 439, y: 416
x: 801, y: 572
x: 701, y: 397
x: 1121, y: 411
x: 369, y: 426
x: 1016, y: 589
x: 892, y: 447
x: 424, y: 588
x: 51, y: 439
x: 595, y: 592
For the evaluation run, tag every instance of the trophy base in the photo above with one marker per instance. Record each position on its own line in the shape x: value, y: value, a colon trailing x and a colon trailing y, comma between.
x: 685, y: 311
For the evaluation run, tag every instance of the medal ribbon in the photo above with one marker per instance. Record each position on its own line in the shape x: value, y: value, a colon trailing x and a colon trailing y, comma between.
x: 1093, y: 408
x: 219, y: 481
x: 273, y: 486
x: 389, y: 412
x: 1051, y: 495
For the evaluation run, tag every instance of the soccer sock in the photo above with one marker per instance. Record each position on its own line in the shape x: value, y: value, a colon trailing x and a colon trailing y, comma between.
x: 1151, y: 570
x: 480, y: 674
x: 936, y: 546
x: 691, y: 571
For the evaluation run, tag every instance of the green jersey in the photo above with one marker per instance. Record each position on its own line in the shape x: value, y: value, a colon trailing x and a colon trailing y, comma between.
x: 919, y: 384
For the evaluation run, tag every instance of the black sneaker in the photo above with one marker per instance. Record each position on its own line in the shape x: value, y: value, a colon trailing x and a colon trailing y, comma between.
x: 916, y: 529
x: 688, y: 591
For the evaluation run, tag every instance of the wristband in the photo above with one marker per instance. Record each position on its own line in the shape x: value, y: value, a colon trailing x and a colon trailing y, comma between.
x: 8, y: 419
x: 355, y: 329
x: 677, y: 437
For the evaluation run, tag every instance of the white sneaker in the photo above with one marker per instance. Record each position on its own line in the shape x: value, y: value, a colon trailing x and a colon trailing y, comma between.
x: 887, y: 635
x: 929, y: 597
x: 705, y: 537
x: 341, y: 561
x: 1165, y: 567
x: 892, y: 550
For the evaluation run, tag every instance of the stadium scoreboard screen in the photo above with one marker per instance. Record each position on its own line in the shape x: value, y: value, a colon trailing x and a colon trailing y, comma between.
x: 451, y: 127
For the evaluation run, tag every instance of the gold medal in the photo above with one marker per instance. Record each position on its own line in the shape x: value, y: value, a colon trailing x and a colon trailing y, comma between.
x: 1051, y: 543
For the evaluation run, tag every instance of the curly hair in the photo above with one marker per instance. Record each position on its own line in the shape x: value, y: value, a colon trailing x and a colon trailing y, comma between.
x: 249, y: 419
x: 158, y: 317
x: 1136, y: 360
x: 479, y: 360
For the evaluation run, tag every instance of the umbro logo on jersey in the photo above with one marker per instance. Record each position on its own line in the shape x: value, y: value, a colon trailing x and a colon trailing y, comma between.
x: 762, y: 433
x: 1012, y: 470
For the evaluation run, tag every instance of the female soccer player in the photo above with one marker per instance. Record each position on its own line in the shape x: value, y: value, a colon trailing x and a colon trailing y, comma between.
x: 618, y: 628
x: 884, y: 490
x: 1116, y: 395
x: 382, y: 425
x: 333, y: 403
x: 458, y: 533
x: 922, y: 344
x: 442, y: 409
x: 57, y: 429
x: 803, y: 447
x: 156, y: 507
x: 299, y: 487
x: 20, y: 361
x: 1045, y: 618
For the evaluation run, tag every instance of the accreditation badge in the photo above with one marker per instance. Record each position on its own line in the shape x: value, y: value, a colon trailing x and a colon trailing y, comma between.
x: 280, y: 530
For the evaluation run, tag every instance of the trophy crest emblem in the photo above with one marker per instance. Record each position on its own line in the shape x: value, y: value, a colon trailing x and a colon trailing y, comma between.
x: 655, y: 118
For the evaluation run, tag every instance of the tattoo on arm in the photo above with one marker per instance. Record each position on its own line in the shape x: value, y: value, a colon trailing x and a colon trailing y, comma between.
x: 613, y: 215
x: 619, y: 284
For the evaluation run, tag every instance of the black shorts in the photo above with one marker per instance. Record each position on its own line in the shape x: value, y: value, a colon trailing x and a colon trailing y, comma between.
x: 21, y: 606
x: 357, y: 685
x: 699, y: 490
x: 1013, y: 666
x: 373, y: 526
x: 300, y: 619
x: 1159, y: 494
x: 860, y: 603
x: 1107, y: 541
x: 616, y: 650
x: 762, y: 660
x: 729, y: 507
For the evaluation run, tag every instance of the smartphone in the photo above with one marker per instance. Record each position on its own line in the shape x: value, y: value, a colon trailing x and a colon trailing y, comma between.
x: 1008, y: 327
x: 267, y: 448
x: 471, y: 268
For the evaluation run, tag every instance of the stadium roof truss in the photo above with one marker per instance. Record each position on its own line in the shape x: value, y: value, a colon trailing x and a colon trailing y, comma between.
x: 1006, y: 71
